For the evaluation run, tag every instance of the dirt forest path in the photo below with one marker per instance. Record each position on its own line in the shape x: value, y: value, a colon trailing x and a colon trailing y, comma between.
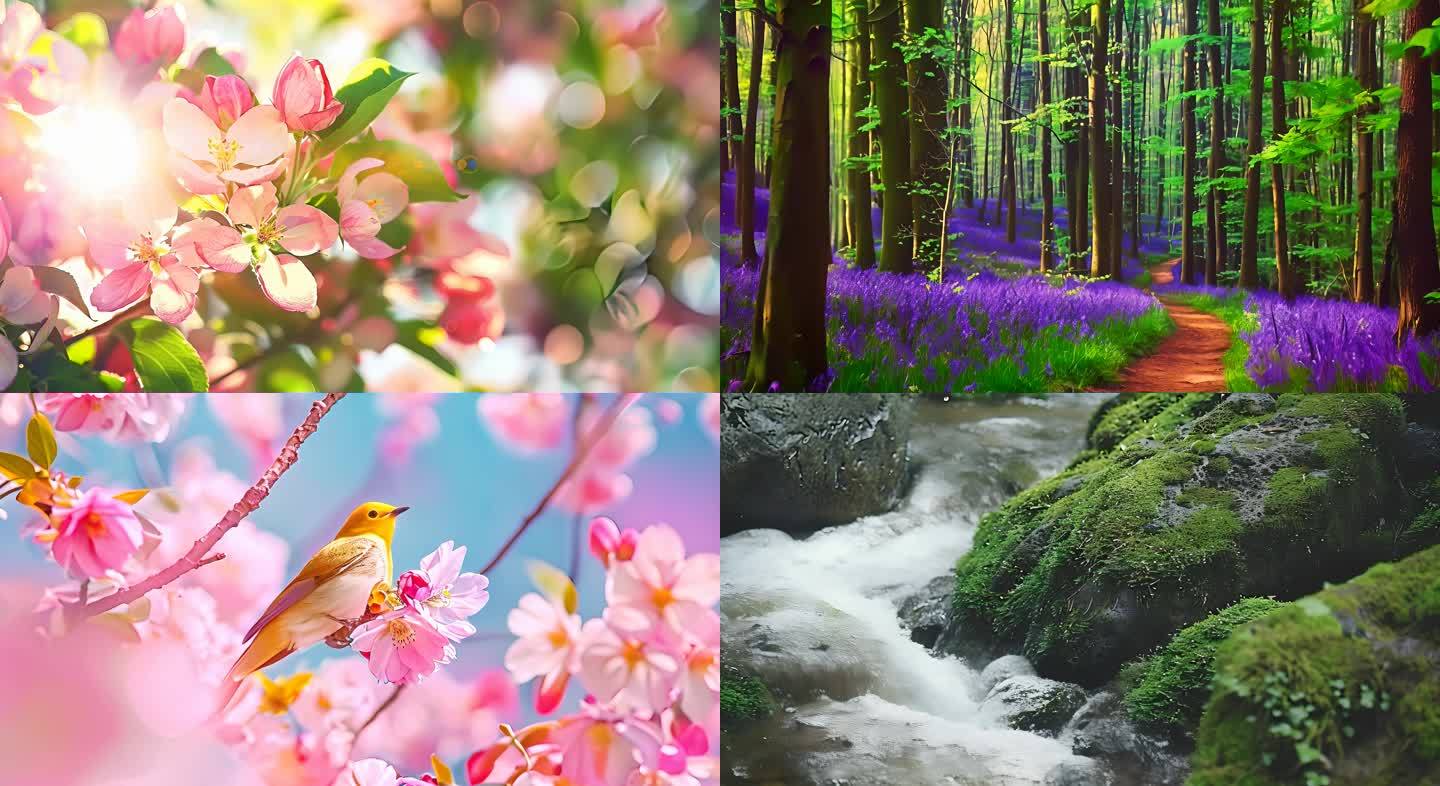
x: 1189, y: 360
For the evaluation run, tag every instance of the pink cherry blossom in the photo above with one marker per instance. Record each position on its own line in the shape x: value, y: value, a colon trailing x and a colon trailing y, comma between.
x: 661, y: 586
x: 527, y: 422
x: 22, y: 301
x: 545, y: 647
x: 402, y: 646
x: 368, y: 772
x: 710, y: 414
x: 442, y: 715
x: 303, y: 96
x: 596, y: 746
x: 470, y: 320
x: 152, y: 39
x: 443, y: 594
x: 136, y: 248
x: 609, y: 544
x: 601, y: 480
x: 36, y: 77
x: 631, y: 672
x: 129, y: 417
x: 96, y: 536
x: 206, y: 159
x: 224, y: 99
x: 367, y: 205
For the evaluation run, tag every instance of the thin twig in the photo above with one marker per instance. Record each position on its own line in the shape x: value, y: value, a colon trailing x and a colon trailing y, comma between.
x: 196, y: 556
x: 385, y: 706
x: 582, y: 450
x: 133, y: 311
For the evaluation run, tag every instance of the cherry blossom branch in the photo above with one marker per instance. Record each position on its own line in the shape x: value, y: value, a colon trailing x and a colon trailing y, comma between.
x: 582, y: 451
x: 133, y: 311
x: 384, y: 706
x: 199, y: 554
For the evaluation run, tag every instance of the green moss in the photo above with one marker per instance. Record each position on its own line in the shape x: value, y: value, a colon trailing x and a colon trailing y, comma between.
x: 1203, y: 446
x: 1121, y: 416
x: 1174, y: 684
x: 1218, y: 465
x: 743, y: 696
x: 1296, y: 500
x: 1204, y: 496
x: 1339, y: 687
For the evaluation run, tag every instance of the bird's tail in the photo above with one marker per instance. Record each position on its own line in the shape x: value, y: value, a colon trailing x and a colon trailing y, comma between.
x: 268, y: 647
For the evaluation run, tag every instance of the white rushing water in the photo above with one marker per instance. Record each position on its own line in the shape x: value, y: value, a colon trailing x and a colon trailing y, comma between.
x: 818, y: 616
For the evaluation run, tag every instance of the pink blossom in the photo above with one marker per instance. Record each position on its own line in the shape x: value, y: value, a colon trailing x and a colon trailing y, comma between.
x: 22, y: 301
x: 206, y: 159
x: 443, y: 716
x: 97, y: 535
x: 601, y: 480
x: 153, y: 38
x: 443, y: 594
x: 547, y: 633
x: 402, y: 646
x: 36, y: 77
x: 224, y: 99
x: 634, y: 673
x: 303, y: 96
x: 369, y: 772
x: 660, y: 586
x: 527, y: 422
x: 129, y: 417
x: 342, y: 693
x: 700, y: 685
x: 470, y: 320
x: 367, y: 205
x: 410, y: 421
x: 299, y: 229
x: 609, y: 544
x: 597, y: 746
x: 710, y: 414
x: 135, y: 247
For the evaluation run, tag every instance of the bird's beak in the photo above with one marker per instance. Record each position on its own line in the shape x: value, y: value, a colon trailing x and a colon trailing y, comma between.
x: 396, y: 512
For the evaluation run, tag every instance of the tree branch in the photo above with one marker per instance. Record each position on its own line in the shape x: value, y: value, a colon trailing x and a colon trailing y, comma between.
x: 384, y: 706
x: 197, y: 555
x: 133, y: 311
x: 582, y: 450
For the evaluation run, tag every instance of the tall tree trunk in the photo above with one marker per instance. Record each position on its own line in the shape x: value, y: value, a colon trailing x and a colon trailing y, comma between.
x: 965, y: 128
x: 1099, y: 156
x: 1215, y: 229
x: 861, y: 229
x: 891, y: 101
x: 1188, y: 261
x: 730, y: 75
x: 1364, y: 285
x: 1417, y: 267
x: 929, y: 163
x: 1047, y: 188
x: 1117, y: 169
x: 1250, y: 224
x: 789, y: 335
x: 745, y: 169
x: 1284, y: 273
x: 1008, y: 136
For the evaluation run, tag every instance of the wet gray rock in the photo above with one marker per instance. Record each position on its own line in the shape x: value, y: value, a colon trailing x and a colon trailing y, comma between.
x: 799, y: 462
x: 1101, y: 731
x: 1033, y: 704
x: 923, y: 614
x: 1003, y: 668
x: 1080, y: 773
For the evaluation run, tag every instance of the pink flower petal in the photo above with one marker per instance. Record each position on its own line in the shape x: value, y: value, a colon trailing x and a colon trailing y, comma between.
x: 121, y: 288
x: 306, y: 230
x: 386, y: 194
x: 254, y: 204
x: 287, y: 282
x: 109, y: 240
x: 195, y: 178
x: 189, y: 131
x: 254, y: 175
x: 261, y: 135
x: 206, y: 241
x: 348, y: 179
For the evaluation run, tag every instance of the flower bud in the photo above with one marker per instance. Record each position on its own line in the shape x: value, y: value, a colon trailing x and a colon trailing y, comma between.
x: 224, y: 99
x: 413, y: 586
x: 150, y: 38
x: 303, y: 96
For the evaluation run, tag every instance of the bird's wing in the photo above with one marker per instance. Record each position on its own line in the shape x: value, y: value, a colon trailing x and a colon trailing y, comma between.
x: 333, y: 559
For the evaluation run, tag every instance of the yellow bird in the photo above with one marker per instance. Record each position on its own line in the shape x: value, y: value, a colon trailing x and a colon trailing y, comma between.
x: 334, y: 586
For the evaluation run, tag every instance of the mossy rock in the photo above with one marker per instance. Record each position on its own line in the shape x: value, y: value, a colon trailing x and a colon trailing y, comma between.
x: 1174, y: 684
x: 1130, y: 417
x: 743, y: 697
x: 1212, y: 499
x: 1341, y: 687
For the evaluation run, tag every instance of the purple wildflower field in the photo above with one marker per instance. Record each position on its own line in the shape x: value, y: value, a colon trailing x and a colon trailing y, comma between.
x: 1319, y: 344
x: 975, y: 330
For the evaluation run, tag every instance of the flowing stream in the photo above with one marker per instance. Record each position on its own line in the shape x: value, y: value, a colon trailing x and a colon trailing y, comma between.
x: 816, y: 617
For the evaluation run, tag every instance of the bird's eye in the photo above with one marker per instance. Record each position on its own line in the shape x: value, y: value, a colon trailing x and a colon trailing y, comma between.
x: 374, y: 513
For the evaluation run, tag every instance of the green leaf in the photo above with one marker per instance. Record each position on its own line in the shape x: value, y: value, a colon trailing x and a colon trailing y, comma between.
x: 420, y: 337
x: 87, y: 31
x: 58, y: 282
x: 409, y: 163
x: 40, y: 441
x: 16, y: 467
x: 364, y: 95
x: 164, y: 361
x: 287, y: 372
x: 208, y: 63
